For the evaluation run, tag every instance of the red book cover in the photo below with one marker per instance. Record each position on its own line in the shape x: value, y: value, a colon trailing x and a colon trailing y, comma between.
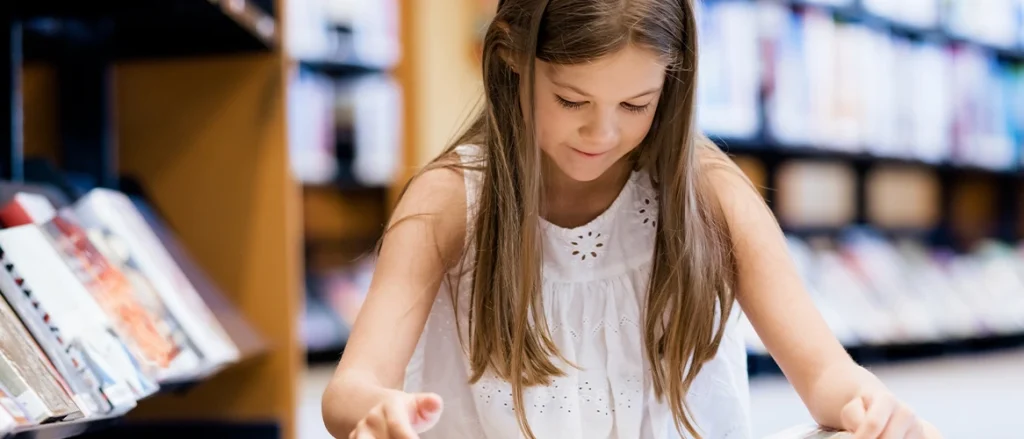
x: 113, y: 292
x: 26, y: 209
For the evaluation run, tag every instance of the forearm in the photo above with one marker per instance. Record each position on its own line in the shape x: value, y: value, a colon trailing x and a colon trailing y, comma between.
x: 348, y: 399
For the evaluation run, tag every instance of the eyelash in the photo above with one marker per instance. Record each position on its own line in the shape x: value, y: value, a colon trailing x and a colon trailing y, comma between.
x: 570, y: 105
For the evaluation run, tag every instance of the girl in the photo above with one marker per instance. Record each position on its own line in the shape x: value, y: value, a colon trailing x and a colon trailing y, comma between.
x: 571, y: 267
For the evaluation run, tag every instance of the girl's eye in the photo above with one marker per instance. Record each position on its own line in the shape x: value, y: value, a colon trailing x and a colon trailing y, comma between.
x: 569, y: 104
x: 638, y: 109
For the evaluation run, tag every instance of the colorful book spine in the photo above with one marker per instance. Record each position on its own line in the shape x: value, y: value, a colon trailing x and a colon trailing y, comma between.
x: 68, y: 358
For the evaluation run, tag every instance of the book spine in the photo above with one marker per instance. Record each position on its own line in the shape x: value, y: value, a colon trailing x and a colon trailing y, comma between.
x: 69, y: 360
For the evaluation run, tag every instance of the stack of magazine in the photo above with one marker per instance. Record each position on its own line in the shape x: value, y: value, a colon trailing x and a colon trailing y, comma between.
x: 96, y: 312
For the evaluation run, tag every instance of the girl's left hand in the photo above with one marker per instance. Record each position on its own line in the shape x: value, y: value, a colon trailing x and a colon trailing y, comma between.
x: 879, y: 415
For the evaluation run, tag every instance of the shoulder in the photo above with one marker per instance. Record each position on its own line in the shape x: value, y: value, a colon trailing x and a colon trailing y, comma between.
x: 741, y: 204
x: 434, y: 203
x: 722, y: 176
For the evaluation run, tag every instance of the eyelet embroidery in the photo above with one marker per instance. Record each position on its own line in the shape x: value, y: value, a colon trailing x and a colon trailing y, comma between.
x: 588, y: 245
x: 646, y: 206
x: 648, y: 212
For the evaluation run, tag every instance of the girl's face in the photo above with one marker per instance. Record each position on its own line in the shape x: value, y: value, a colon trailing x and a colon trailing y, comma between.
x: 591, y: 115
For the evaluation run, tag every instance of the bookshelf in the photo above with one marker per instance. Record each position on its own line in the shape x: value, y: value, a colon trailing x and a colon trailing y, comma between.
x: 187, y: 100
x: 856, y: 12
x: 975, y: 204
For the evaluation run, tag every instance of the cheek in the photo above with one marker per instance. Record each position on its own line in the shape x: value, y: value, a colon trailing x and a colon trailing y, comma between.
x: 635, y: 128
x: 554, y: 125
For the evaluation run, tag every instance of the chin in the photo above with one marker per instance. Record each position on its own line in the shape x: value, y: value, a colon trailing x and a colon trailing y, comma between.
x: 584, y: 174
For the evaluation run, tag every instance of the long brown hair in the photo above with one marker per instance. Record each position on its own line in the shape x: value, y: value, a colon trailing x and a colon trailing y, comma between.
x: 693, y: 274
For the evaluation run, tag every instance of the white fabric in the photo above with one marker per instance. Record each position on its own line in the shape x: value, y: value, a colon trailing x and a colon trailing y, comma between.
x: 594, y: 283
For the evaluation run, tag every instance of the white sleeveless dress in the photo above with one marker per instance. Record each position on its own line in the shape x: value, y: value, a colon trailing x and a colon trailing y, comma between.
x: 595, y: 280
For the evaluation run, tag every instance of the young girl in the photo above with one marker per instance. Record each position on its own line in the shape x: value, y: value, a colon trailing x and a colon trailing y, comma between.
x: 571, y: 267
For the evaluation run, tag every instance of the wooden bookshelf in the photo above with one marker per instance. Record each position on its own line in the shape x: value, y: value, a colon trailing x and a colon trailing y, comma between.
x: 204, y: 132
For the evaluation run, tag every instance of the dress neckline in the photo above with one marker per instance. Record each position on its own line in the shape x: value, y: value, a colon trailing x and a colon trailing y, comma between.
x: 601, y: 217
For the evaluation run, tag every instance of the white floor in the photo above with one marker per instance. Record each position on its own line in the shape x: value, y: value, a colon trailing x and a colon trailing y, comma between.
x: 965, y: 397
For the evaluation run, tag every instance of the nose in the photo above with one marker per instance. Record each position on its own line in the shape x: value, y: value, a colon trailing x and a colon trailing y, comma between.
x: 601, y: 131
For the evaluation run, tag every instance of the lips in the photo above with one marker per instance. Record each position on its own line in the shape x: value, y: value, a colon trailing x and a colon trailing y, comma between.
x: 590, y: 154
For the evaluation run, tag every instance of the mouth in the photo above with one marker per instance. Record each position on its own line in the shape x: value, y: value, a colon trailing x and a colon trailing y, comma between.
x: 589, y: 154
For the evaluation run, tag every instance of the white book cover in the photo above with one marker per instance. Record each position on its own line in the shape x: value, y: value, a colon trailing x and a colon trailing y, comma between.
x: 849, y: 105
x: 74, y: 312
x: 820, y: 42
x: 82, y: 384
x: 7, y: 422
x: 9, y: 404
x: 877, y: 70
x: 933, y: 103
x: 788, y: 100
x: 730, y: 70
x: 115, y: 211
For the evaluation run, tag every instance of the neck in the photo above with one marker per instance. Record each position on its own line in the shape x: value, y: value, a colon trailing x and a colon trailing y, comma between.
x: 570, y: 203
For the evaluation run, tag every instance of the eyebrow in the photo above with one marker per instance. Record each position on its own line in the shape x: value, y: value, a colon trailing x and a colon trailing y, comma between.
x: 583, y: 93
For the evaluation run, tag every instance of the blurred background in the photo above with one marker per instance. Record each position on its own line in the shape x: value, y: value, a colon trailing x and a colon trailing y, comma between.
x: 886, y: 135
x: 274, y: 137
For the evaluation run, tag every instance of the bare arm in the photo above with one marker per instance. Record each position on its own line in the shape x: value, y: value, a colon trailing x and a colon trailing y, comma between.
x: 773, y: 297
x: 426, y: 236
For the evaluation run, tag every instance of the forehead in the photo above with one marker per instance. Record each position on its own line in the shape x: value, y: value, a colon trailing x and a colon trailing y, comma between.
x: 623, y: 72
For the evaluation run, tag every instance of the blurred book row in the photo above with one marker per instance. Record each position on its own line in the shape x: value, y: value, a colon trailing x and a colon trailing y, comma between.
x: 876, y: 292
x: 100, y: 308
x: 347, y: 131
x: 997, y: 23
x: 344, y: 32
x: 336, y: 296
x: 850, y: 81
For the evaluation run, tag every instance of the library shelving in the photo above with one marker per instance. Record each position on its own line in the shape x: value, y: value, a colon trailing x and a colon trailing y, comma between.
x: 962, y: 200
x: 180, y: 104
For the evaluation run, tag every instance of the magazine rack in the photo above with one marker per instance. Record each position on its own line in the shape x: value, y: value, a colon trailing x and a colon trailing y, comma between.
x: 188, y: 97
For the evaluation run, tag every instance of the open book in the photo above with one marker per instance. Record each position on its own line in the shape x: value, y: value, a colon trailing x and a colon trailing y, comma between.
x: 810, y: 431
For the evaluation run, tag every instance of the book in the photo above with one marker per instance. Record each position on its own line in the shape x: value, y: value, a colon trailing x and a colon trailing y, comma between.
x: 10, y: 406
x: 43, y: 285
x: 115, y: 211
x: 32, y: 380
x: 150, y: 338
x: 810, y: 432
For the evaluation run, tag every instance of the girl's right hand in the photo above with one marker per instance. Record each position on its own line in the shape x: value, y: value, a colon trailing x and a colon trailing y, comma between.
x: 402, y: 416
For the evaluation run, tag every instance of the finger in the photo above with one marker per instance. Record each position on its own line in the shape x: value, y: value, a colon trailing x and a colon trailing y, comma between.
x: 396, y: 418
x: 853, y: 415
x: 426, y: 411
x: 366, y: 434
x: 917, y: 431
x: 877, y: 418
x: 929, y: 431
x: 360, y: 432
x: 375, y: 423
x: 900, y: 423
